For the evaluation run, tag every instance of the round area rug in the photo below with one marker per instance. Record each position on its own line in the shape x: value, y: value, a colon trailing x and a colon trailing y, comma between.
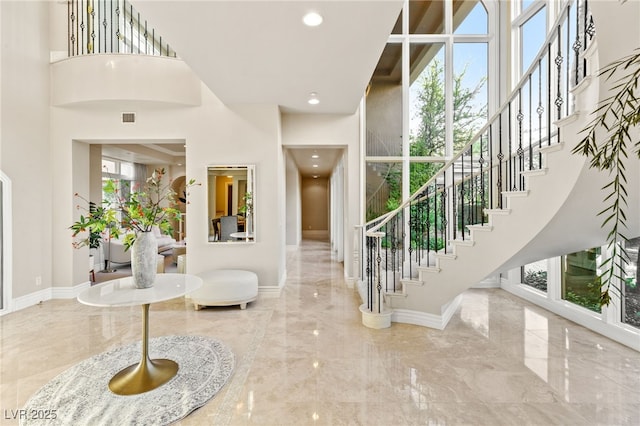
x: 81, y: 395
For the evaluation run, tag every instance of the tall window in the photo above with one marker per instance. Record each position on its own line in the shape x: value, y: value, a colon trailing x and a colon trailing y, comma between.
x: 529, y: 32
x: 120, y: 171
x: 581, y: 282
x: 535, y: 275
x: 427, y: 98
x: 631, y: 292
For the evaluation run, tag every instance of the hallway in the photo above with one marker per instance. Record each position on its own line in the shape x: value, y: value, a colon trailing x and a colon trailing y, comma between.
x: 304, y: 358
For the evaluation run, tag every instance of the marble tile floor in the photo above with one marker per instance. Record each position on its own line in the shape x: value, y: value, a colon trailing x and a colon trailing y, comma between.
x: 305, y: 359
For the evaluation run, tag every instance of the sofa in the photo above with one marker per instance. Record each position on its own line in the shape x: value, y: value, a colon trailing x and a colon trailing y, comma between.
x: 114, y: 250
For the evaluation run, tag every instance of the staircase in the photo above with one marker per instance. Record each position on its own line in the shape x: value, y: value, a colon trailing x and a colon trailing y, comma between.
x: 516, y: 194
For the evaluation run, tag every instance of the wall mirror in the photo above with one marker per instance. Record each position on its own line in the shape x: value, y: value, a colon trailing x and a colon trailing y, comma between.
x: 231, y: 203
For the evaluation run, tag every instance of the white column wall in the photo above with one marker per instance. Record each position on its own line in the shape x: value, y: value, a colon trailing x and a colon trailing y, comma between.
x: 338, y: 217
x: 293, y: 202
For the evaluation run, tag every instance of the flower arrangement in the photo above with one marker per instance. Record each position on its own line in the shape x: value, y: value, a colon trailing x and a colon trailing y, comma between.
x: 147, y: 205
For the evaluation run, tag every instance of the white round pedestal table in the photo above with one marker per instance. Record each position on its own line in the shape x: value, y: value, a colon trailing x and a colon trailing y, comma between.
x: 147, y: 374
x: 242, y: 235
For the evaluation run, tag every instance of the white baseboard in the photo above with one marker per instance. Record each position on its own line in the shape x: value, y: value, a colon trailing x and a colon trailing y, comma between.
x: 273, y: 290
x: 270, y: 291
x: 425, y: 319
x: 32, y: 299
x: 489, y: 282
x: 69, y: 292
x: 621, y: 333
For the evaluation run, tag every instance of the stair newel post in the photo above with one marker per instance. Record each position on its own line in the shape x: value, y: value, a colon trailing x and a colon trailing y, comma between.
x: 403, y: 245
x: 529, y: 112
x: 423, y: 218
x: 483, y: 195
x: 378, y: 265
x: 391, y: 239
x: 509, y: 159
x: 548, y: 93
x: 369, y: 272
x: 500, y: 158
x: 490, y: 142
x: 435, y: 216
x: 558, y: 60
x: 472, y: 193
x: 411, y: 235
x: 428, y: 222
x: 374, y: 314
x: 453, y: 193
x: 540, y: 111
x: 443, y: 210
x: 520, y: 151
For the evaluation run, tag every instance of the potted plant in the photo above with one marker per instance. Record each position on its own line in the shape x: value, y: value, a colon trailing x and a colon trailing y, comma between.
x: 247, y: 210
x: 136, y: 213
x: 94, y: 239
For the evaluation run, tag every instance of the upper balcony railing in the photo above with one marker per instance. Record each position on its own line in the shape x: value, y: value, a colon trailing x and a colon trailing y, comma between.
x: 491, y: 165
x: 111, y: 26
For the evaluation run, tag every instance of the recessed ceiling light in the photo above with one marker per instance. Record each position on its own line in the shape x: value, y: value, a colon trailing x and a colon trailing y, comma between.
x: 313, y: 98
x: 315, y: 156
x: 315, y: 165
x: 312, y: 19
x: 315, y: 177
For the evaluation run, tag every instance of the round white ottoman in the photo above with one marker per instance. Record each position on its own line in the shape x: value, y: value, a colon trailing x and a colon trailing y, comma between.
x: 225, y: 287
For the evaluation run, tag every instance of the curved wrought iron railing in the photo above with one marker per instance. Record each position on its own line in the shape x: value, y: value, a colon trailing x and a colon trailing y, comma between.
x: 111, y: 26
x: 491, y: 166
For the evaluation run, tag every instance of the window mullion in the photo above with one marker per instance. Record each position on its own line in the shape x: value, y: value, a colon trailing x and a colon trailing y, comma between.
x: 406, y: 85
x: 448, y: 85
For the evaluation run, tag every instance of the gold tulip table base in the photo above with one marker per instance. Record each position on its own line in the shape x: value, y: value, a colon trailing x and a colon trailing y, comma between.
x: 146, y: 375
x: 143, y: 377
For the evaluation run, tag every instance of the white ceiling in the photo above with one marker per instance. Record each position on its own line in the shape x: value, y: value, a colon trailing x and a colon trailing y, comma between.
x: 260, y: 51
x: 327, y: 159
x: 160, y: 153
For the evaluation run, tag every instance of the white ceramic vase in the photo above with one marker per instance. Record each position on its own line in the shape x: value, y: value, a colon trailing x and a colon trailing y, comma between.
x: 144, y: 254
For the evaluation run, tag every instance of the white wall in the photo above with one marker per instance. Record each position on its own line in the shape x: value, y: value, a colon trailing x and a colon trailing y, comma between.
x: 304, y: 130
x: 315, y: 204
x: 293, y: 203
x: 338, y: 201
x: 25, y: 156
x: 214, y: 134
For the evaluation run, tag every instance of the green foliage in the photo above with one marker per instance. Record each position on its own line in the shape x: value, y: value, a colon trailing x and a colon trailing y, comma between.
x: 591, y: 299
x: 536, y: 279
x: 94, y: 222
x: 139, y: 211
x: 609, y: 137
x: 430, y: 137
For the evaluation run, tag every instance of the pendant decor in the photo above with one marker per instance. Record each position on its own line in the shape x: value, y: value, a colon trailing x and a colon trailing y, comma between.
x: 144, y: 255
